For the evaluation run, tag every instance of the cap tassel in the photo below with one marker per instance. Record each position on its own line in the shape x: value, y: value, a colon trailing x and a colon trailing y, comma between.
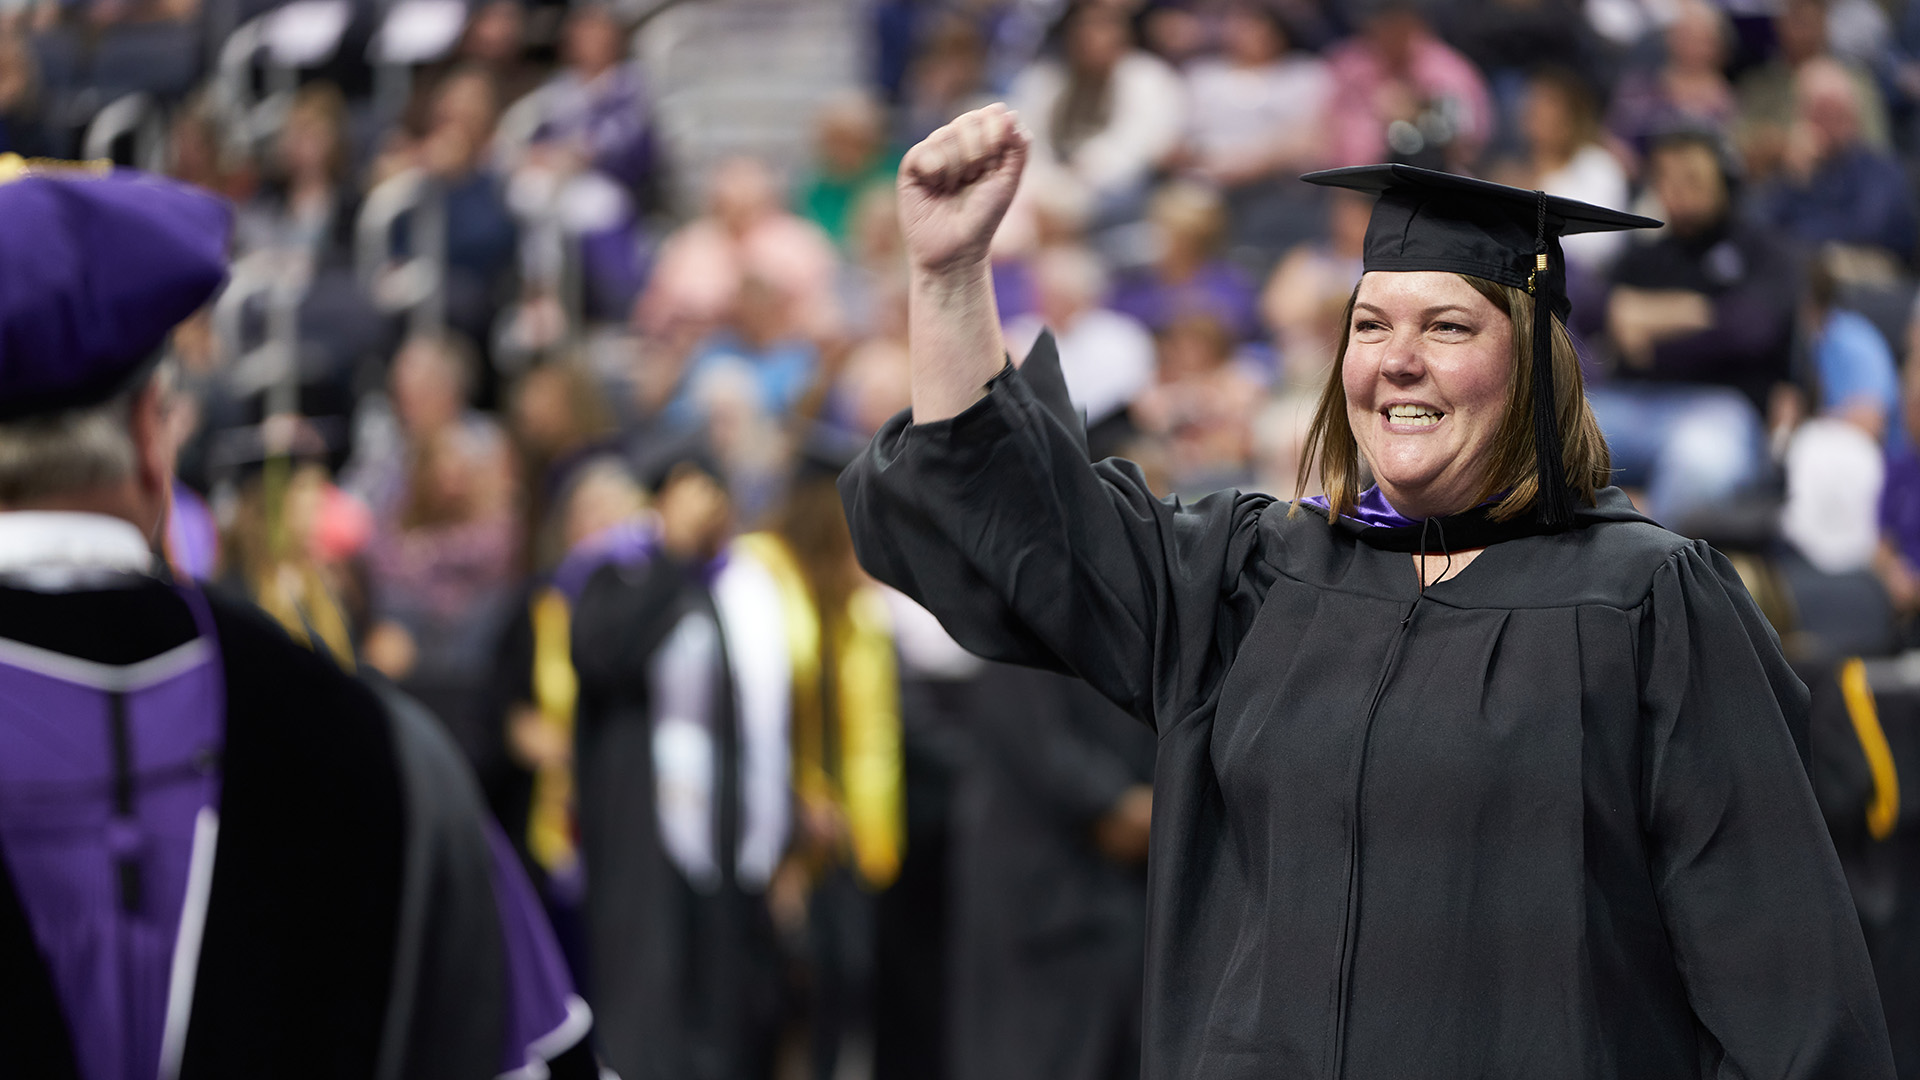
x: 1555, y: 504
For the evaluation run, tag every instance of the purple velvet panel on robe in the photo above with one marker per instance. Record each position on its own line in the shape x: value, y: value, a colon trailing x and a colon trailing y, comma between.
x: 544, y: 1017
x: 1371, y: 508
x: 109, y: 951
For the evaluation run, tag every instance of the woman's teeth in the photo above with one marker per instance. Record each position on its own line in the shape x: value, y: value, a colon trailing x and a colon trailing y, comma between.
x: 1412, y: 414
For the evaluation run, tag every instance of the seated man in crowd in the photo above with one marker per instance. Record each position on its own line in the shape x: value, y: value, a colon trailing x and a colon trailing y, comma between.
x: 1836, y: 187
x: 1701, y: 322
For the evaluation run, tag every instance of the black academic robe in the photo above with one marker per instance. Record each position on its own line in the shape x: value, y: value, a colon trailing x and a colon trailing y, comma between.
x: 684, y: 983
x: 1050, y: 934
x: 1882, y: 865
x: 1547, y: 818
x: 351, y: 930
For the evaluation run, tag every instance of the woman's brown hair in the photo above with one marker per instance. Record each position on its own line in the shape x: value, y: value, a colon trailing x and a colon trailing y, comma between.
x: 1511, y: 473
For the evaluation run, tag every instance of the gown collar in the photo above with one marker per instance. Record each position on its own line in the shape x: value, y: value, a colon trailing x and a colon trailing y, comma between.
x: 59, y: 551
x: 1374, y: 522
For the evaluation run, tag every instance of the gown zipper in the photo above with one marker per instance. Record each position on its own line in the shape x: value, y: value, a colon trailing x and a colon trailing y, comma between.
x: 1353, y: 841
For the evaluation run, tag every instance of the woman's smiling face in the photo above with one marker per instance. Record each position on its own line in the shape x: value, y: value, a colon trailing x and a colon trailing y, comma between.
x: 1426, y: 374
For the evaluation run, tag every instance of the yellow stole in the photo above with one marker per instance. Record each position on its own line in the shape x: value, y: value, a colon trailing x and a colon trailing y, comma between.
x: 863, y: 779
x: 556, y: 690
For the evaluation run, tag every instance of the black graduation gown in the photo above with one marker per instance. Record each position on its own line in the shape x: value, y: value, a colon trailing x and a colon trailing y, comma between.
x: 1050, y: 934
x: 1882, y: 870
x: 351, y: 930
x: 1547, y: 819
x: 684, y: 984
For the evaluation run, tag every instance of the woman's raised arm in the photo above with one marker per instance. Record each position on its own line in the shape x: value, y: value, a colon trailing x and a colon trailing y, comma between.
x: 954, y: 189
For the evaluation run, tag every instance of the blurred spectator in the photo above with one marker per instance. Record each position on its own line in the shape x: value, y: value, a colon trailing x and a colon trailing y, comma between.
x: 744, y: 233
x: 1104, y: 114
x: 1187, y: 276
x: 1279, y: 441
x: 1836, y: 188
x: 440, y: 570
x: 1701, y: 322
x: 444, y: 544
x: 1254, y: 123
x: 1304, y: 302
x: 948, y: 76
x: 1202, y: 405
x: 1859, y: 31
x: 494, y: 41
x: 306, y: 207
x: 429, y: 389
x: 759, y: 342
x: 480, y: 234
x: 873, y: 277
x: 1834, y: 475
x: 1897, y: 562
x: 1506, y: 40
x: 1560, y: 121
x: 1107, y: 357
x: 850, y: 159
x: 1689, y: 87
x: 1253, y: 112
x: 1857, y: 376
x: 274, y: 554
x: 197, y: 153
x: 1770, y: 98
x: 1402, y: 94
x: 874, y: 384
x: 560, y: 422
x: 594, y: 112
x: 23, y: 128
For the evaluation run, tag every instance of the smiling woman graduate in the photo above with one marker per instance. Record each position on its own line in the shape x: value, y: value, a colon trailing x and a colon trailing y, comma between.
x: 1473, y: 773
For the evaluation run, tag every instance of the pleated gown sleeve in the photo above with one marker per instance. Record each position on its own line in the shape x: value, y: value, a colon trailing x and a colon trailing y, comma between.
x: 1749, y: 887
x: 995, y: 521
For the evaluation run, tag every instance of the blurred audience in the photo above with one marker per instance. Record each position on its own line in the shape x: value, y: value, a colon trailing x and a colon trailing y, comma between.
x: 1560, y: 122
x: 744, y: 234
x: 1688, y: 87
x: 1104, y: 114
x: 1700, y: 321
x: 1108, y: 357
x: 1400, y: 93
x: 1187, y: 276
x: 1834, y: 186
x: 1771, y: 97
x: 850, y: 159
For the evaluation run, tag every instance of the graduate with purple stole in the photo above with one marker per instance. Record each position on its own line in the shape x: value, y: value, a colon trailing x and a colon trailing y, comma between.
x: 220, y: 856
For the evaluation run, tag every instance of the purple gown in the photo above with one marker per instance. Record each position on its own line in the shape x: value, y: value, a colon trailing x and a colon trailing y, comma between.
x: 109, y: 796
x: 104, y: 772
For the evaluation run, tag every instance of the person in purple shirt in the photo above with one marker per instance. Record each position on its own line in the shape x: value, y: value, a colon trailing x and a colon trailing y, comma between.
x: 1188, y: 277
x: 220, y: 856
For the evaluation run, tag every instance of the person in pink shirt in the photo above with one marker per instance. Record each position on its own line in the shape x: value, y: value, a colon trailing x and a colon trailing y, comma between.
x: 1402, y: 94
x: 745, y: 233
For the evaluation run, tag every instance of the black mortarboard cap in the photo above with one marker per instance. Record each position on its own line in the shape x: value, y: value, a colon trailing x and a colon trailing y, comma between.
x: 1427, y: 220
x: 658, y: 456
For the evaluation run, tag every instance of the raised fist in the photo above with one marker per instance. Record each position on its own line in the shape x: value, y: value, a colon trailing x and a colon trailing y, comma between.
x: 955, y: 187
